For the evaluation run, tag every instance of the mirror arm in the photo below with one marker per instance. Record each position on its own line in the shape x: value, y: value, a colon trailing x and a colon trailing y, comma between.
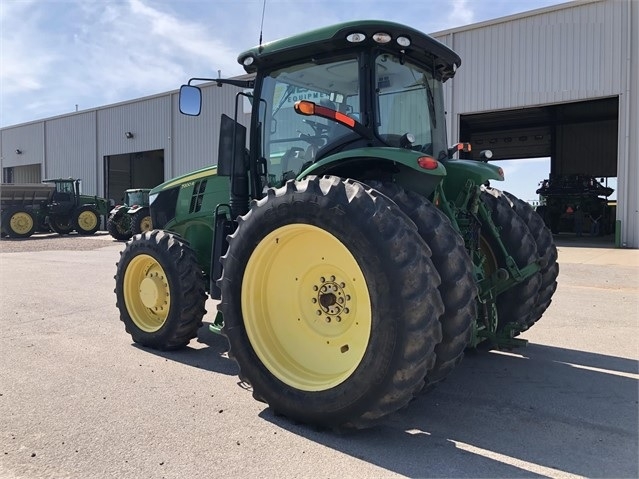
x: 229, y: 81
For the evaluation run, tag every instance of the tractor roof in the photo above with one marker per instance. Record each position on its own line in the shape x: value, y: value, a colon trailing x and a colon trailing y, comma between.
x: 333, y: 39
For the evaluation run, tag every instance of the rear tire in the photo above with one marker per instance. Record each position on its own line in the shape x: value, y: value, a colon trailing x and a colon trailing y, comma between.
x: 19, y: 223
x: 547, y: 252
x: 141, y: 221
x: 330, y: 303
x: 515, y: 305
x: 451, y: 260
x: 160, y: 292
x: 86, y: 220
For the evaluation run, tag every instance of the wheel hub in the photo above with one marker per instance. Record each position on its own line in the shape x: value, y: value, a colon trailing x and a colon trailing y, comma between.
x: 330, y: 298
x: 152, y: 292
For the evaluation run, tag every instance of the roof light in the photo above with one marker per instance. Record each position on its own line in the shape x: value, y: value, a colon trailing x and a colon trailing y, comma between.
x: 403, y: 41
x: 427, y: 162
x: 500, y: 172
x: 356, y: 37
x: 382, y: 37
x: 248, y: 61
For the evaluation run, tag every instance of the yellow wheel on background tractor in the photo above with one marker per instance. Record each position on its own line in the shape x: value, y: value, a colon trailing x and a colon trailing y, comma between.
x: 307, y: 307
x: 86, y: 220
x: 20, y: 224
x: 141, y: 221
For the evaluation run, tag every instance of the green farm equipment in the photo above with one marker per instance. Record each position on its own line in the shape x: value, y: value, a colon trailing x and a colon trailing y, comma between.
x: 132, y: 217
x: 56, y: 204
x: 562, y: 195
x: 354, y: 258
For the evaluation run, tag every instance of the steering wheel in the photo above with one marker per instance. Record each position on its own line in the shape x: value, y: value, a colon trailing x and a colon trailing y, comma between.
x: 318, y: 128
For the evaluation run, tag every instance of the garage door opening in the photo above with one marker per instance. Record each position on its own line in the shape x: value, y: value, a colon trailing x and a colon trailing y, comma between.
x: 573, y: 146
x: 143, y: 169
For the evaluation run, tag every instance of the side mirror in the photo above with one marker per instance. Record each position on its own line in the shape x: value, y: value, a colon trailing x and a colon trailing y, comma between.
x: 465, y: 147
x: 190, y: 100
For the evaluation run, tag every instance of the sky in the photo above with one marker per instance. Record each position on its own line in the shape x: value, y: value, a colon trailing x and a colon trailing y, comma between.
x: 59, y: 56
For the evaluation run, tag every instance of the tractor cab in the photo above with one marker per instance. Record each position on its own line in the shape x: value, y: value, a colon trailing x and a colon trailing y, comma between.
x: 367, y: 91
x: 66, y: 193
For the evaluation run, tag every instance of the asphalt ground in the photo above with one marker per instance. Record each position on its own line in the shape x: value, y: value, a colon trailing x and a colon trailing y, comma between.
x: 79, y: 400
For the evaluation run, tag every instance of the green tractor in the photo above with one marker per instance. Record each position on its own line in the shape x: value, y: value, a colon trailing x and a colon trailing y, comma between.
x: 69, y: 210
x: 132, y: 217
x: 354, y: 258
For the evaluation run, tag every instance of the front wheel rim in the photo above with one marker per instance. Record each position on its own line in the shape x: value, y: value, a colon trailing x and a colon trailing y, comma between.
x: 146, y: 293
x: 306, y: 307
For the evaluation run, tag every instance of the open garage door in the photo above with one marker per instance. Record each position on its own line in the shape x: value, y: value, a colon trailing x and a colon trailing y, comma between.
x: 580, y: 138
x: 143, y: 169
x: 581, y: 141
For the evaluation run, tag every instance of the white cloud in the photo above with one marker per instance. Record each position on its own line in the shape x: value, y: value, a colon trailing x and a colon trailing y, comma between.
x: 461, y: 14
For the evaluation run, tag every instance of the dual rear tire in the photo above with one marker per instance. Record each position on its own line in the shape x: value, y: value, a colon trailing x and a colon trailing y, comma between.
x: 331, y: 303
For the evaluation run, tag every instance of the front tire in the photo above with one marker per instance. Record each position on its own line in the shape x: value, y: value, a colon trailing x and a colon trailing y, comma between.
x: 86, y: 220
x: 330, y: 303
x: 159, y: 288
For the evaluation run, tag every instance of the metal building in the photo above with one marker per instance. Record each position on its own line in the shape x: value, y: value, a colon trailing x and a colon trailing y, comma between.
x: 559, y: 82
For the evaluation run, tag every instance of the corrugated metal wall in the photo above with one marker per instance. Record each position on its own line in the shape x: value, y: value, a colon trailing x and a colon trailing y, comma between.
x: 29, y: 139
x: 561, y: 55
x: 196, y: 141
x: 70, y: 149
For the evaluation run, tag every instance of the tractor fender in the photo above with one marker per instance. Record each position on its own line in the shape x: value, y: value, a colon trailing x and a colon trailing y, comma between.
x: 135, y: 209
x: 399, y: 156
x: 117, y: 210
x: 460, y: 171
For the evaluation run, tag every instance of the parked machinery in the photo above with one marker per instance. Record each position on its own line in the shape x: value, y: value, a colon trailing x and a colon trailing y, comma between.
x: 132, y: 217
x: 56, y: 204
x: 563, y: 196
x: 355, y: 260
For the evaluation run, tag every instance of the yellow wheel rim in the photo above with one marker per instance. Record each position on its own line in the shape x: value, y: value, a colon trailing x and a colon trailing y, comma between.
x: 306, y: 307
x: 146, y: 224
x: 21, y: 223
x: 146, y: 293
x: 87, y: 220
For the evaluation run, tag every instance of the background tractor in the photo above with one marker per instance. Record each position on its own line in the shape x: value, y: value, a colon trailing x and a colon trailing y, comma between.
x: 354, y: 258
x: 56, y: 204
x: 132, y: 217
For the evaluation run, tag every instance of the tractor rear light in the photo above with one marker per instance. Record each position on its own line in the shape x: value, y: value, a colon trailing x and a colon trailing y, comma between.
x: 247, y: 61
x: 500, y: 172
x: 356, y: 37
x: 403, y: 41
x: 382, y: 37
x: 427, y: 162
